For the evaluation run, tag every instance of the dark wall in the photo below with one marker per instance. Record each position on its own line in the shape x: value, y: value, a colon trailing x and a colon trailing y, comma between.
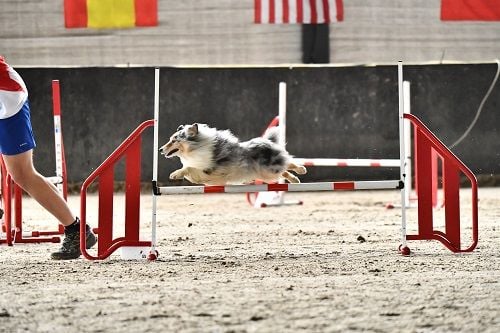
x: 343, y: 112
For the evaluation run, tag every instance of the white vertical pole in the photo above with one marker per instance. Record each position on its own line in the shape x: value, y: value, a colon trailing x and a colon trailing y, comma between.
x: 282, y: 124
x: 155, y: 154
x: 56, y: 101
x: 282, y: 114
x: 276, y: 198
x: 58, y: 149
x: 402, y: 152
x: 407, y: 133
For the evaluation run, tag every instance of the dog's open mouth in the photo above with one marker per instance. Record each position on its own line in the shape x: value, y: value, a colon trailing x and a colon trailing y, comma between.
x: 170, y: 153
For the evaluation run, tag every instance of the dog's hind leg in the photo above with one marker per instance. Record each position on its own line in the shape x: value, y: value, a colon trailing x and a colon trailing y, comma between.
x: 297, y: 168
x: 291, y: 178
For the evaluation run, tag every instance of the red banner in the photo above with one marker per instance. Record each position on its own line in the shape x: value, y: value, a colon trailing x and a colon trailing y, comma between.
x: 470, y: 10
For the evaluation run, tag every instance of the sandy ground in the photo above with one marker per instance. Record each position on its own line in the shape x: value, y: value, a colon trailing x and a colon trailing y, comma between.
x: 227, y: 267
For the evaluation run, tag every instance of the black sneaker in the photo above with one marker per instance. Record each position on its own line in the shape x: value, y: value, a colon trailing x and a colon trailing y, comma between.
x: 70, y: 248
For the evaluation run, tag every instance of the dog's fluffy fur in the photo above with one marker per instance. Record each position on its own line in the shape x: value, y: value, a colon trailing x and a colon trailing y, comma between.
x: 216, y: 157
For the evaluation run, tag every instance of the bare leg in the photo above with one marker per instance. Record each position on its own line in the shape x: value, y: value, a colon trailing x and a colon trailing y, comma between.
x: 21, y: 168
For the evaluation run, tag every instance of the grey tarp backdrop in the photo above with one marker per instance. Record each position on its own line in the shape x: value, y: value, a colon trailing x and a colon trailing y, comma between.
x: 342, y: 112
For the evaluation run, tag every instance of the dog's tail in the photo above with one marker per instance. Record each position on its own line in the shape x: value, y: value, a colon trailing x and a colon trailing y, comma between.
x: 272, y: 134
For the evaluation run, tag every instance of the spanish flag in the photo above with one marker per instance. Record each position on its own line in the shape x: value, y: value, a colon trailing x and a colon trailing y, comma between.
x: 102, y: 14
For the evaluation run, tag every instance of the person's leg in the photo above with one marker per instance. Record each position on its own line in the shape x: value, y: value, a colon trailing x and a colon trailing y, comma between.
x: 22, y: 171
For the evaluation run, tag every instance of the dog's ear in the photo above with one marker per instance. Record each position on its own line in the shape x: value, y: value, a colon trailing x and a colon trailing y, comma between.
x: 192, y: 130
x: 180, y: 127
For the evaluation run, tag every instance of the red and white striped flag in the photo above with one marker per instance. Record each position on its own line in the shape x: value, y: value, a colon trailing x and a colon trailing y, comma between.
x: 298, y: 11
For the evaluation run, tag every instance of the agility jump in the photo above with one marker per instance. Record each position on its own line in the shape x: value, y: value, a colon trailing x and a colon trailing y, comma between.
x: 12, y: 194
x: 426, y: 145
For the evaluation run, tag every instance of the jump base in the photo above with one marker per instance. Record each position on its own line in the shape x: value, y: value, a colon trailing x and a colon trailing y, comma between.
x: 135, y: 252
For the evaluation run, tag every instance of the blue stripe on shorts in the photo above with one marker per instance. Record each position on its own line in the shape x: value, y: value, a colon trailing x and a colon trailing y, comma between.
x: 16, y: 133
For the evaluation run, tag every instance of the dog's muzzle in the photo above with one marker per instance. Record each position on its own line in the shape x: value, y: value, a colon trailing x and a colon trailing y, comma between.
x: 168, y: 154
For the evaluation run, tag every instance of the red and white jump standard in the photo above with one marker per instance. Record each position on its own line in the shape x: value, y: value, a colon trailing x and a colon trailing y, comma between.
x: 426, y: 145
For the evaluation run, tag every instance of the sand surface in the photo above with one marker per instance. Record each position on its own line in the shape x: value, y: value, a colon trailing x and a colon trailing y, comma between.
x: 330, y: 265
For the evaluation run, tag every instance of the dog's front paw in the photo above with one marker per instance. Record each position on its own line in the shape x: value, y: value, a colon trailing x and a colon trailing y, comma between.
x: 301, y: 170
x: 177, y: 174
x: 290, y: 177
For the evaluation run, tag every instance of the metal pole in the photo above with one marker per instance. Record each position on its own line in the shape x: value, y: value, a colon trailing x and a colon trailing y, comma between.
x: 348, y: 162
x: 282, y: 114
x: 402, y: 153
x: 155, y: 156
x: 56, y: 99
x: 407, y: 138
x: 282, y: 126
x: 299, y: 187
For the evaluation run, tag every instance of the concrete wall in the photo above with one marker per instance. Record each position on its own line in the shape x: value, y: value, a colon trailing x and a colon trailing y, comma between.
x: 213, y: 32
x: 343, y: 112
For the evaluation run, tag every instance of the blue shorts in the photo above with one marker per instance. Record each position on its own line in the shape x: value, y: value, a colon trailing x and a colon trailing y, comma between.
x: 16, y: 134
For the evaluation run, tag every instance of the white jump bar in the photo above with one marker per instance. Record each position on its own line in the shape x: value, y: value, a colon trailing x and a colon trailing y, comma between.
x: 349, y: 162
x: 301, y: 187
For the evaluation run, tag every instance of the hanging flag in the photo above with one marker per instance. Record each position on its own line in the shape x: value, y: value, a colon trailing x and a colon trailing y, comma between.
x: 298, y: 11
x: 470, y: 10
x: 103, y: 14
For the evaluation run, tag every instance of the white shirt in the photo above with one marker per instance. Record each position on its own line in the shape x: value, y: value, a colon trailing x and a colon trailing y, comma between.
x: 13, y: 92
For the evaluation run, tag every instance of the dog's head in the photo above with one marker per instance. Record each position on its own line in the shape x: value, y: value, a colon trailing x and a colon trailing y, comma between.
x: 181, y: 141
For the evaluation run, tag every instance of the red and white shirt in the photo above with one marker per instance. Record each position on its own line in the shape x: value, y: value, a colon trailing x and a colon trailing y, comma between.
x: 13, y: 92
